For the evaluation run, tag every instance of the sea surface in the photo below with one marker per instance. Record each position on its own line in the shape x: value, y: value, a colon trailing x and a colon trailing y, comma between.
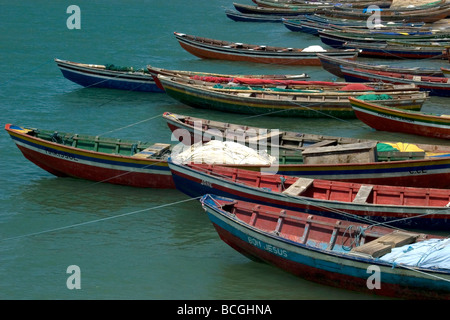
x: 129, y: 243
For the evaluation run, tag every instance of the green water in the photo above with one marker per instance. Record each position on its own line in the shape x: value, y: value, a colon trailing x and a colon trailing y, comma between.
x: 128, y: 243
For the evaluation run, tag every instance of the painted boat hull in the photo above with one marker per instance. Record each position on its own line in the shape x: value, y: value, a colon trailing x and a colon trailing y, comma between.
x: 317, y: 107
x: 225, y: 52
x: 333, y: 66
x: 66, y: 161
x: 195, y: 182
x: 392, y: 120
x: 92, y: 77
x: 427, y: 173
x: 356, y: 75
x: 249, y: 17
x: 322, y: 266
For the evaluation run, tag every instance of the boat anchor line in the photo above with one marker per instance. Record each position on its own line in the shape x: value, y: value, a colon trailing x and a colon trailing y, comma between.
x: 97, y: 220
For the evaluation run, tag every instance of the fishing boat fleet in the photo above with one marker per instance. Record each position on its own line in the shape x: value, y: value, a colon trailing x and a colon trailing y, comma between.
x: 326, y: 208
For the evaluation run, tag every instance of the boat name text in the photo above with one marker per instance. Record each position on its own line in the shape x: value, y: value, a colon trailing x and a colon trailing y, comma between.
x: 60, y: 154
x: 268, y: 247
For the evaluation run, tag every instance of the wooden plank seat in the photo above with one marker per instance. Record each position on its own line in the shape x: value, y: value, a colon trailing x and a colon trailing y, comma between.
x: 363, y: 194
x: 266, y: 136
x: 384, y: 244
x: 299, y: 186
x: 153, y: 151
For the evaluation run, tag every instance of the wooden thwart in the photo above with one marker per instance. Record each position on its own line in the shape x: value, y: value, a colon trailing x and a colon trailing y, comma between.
x: 153, y: 150
x: 363, y: 194
x: 384, y: 244
x: 299, y: 186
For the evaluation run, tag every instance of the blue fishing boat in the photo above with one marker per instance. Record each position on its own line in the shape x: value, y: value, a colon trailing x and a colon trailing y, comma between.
x: 108, y: 76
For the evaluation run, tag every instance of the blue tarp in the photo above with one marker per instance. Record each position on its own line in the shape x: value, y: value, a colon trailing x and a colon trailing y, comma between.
x: 433, y: 253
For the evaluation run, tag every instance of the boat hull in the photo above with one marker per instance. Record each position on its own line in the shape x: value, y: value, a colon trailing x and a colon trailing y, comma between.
x: 385, y: 119
x: 434, y: 88
x: 196, y: 183
x: 64, y: 161
x: 318, y: 265
x: 91, y: 77
x: 205, y: 50
x: 314, y: 107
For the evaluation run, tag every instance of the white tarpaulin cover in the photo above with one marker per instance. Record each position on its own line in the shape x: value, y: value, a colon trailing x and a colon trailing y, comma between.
x: 218, y: 152
x: 433, y: 253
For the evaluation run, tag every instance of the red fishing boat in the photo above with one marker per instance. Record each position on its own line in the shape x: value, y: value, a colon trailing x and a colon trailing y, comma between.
x: 402, y: 207
x: 206, y: 48
x: 108, y: 160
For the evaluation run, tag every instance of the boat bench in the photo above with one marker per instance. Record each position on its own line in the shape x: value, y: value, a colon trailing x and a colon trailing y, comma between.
x: 152, y: 151
x: 266, y: 136
x: 384, y: 244
x: 299, y: 186
x: 363, y: 194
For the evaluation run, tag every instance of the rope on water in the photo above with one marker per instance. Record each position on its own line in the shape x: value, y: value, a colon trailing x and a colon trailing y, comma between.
x: 97, y: 220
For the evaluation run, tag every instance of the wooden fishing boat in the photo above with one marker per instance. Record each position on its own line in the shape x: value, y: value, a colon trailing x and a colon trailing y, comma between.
x: 390, y: 119
x: 351, y: 3
x: 401, y: 207
x: 251, y: 17
x: 279, y: 102
x: 223, y: 78
x: 343, y: 254
x: 108, y: 160
x: 388, y: 51
x: 107, y: 76
x: 313, y: 25
x: 338, y: 38
x: 332, y: 65
x: 223, y: 50
x: 280, y: 11
x: 436, y: 86
x: 350, y: 22
x: 327, y: 157
x: 429, y: 15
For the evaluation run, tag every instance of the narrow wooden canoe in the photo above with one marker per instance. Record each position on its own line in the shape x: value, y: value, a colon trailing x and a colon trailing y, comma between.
x: 401, y: 207
x: 338, y: 38
x: 332, y: 252
x: 107, y: 76
x: 279, y: 11
x: 116, y: 161
x: 436, y: 86
x: 332, y: 65
x: 206, y: 48
x: 389, y: 51
x: 421, y: 15
x: 273, y: 102
x: 389, y: 119
x: 251, y: 17
x: 221, y: 77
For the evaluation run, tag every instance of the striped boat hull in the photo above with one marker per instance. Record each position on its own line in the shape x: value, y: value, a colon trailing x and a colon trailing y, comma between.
x: 65, y: 161
x: 207, y: 50
x: 322, y: 266
x: 100, y: 78
x: 196, y: 183
x: 393, y: 120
